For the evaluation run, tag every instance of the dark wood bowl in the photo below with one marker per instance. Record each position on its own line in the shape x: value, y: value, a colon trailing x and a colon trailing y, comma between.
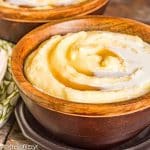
x: 14, y: 23
x: 82, y: 125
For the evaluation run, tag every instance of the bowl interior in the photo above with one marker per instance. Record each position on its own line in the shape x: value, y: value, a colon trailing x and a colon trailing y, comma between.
x: 87, y: 23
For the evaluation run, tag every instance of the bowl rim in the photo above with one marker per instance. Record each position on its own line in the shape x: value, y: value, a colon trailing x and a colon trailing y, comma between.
x: 44, y: 15
x: 68, y: 107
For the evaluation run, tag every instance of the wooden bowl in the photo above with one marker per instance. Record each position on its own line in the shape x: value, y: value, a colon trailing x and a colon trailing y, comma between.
x: 82, y: 125
x: 16, y: 22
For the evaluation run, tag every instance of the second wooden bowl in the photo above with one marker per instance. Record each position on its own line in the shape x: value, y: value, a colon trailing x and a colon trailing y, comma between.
x: 16, y: 22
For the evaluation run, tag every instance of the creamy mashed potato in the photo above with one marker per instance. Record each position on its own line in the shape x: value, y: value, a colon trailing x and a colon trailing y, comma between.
x: 41, y: 3
x: 91, y: 67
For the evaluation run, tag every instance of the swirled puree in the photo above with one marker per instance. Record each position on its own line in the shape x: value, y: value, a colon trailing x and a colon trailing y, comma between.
x: 40, y: 3
x: 91, y: 67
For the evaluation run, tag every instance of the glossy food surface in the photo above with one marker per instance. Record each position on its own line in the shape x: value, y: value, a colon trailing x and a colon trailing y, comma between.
x: 91, y: 67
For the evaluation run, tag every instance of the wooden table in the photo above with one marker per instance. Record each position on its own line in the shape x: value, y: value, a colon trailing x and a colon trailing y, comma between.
x: 10, y: 134
x: 135, y: 9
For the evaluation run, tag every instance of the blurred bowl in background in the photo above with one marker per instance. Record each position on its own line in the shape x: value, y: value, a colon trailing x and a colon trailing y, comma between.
x: 16, y: 22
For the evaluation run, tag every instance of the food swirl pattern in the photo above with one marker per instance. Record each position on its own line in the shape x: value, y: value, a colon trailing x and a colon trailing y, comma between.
x: 40, y: 3
x: 91, y: 67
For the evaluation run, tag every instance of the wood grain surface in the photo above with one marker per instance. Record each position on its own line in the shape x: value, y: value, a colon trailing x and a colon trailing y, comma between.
x: 4, y: 132
x: 16, y: 141
x: 135, y: 9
